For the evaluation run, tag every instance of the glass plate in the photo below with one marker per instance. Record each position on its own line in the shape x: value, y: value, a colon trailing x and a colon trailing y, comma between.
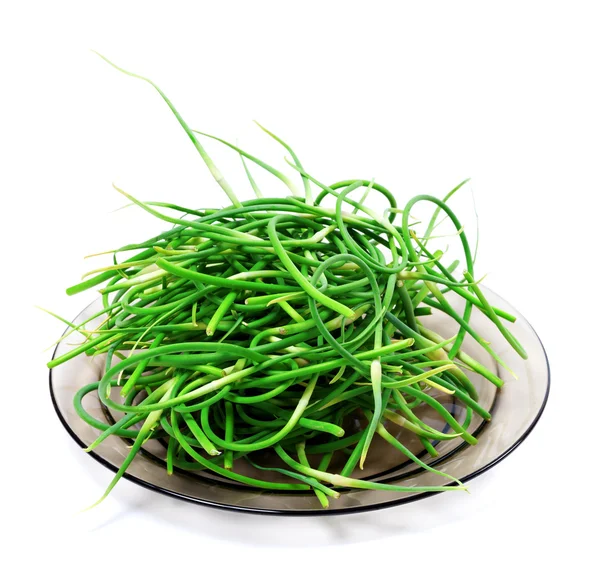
x: 515, y: 408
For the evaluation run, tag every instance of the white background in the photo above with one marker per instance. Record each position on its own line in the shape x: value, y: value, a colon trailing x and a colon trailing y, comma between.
x: 419, y: 95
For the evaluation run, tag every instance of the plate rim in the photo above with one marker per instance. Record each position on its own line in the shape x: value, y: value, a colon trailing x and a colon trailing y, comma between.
x: 332, y: 511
